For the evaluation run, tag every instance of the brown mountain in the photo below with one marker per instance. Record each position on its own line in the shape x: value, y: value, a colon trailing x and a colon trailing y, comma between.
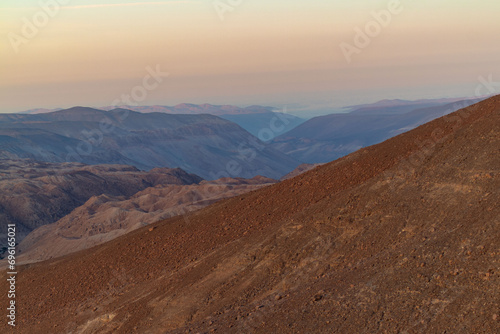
x: 400, y: 237
x: 33, y: 193
x: 103, y: 218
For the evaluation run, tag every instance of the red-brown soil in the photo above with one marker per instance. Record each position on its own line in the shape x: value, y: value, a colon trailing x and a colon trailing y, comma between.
x: 103, y: 218
x: 400, y: 237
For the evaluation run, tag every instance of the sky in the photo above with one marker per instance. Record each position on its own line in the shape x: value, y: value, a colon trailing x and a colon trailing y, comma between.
x: 269, y: 52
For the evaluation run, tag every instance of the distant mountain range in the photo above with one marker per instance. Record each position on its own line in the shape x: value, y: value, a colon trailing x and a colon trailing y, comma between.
x: 263, y: 122
x: 401, y: 105
x: 189, y: 136
x: 183, y: 108
x: 195, y: 109
x: 206, y: 145
x: 326, y: 138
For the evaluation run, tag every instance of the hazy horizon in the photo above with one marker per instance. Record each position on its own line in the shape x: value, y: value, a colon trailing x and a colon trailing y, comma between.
x: 280, y: 54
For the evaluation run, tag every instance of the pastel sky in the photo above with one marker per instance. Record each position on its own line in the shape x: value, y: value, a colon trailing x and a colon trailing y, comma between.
x: 270, y: 52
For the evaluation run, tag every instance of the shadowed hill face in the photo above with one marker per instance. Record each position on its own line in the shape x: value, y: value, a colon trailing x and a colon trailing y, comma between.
x: 398, y: 237
x: 402, y: 106
x: 263, y: 122
x: 265, y: 126
x: 202, y: 144
x: 325, y: 138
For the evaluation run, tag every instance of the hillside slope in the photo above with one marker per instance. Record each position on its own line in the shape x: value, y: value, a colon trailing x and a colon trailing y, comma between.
x: 254, y: 119
x: 33, y: 193
x: 266, y: 126
x: 326, y: 138
x: 205, y: 145
x: 400, y: 237
x: 103, y: 218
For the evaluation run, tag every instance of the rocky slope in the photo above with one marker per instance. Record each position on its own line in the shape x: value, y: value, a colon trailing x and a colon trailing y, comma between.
x: 33, y: 194
x: 400, y: 237
x: 202, y: 144
x: 104, y: 217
